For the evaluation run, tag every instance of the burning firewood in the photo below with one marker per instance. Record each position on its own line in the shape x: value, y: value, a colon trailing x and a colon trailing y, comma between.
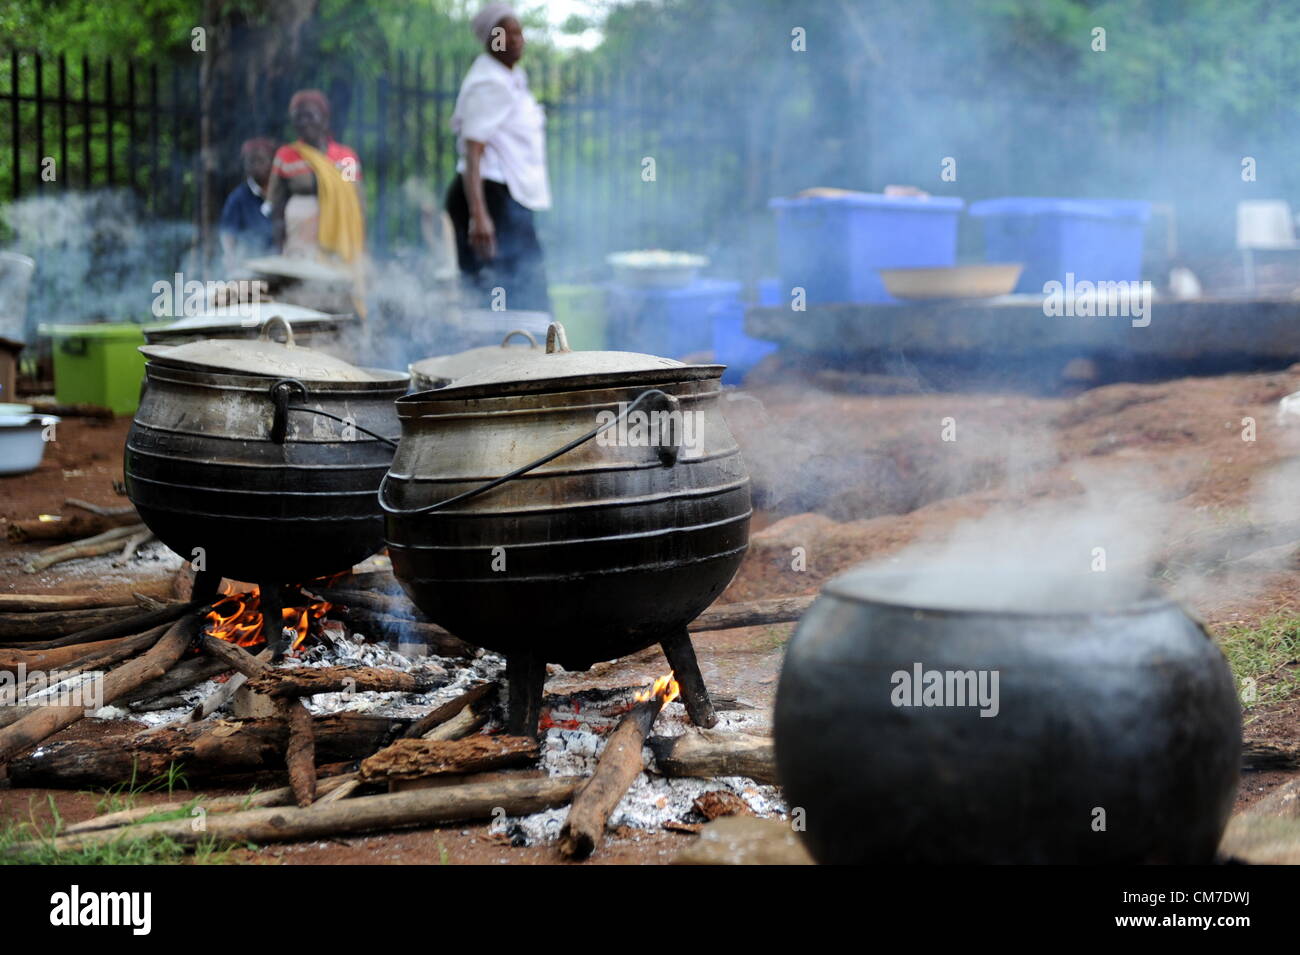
x: 417, y: 807
x: 38, y: 726
x: 706, y: 754
x: 212, y: 749
x: 379, y: 603
x: 416, y: 758
x: 224, y: 693
x: 300, y: 750
x: 308, y: 681
x: 620, y: 763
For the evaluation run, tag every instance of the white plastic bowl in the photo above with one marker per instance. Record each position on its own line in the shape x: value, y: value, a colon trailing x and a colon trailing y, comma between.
x: 22, y: 445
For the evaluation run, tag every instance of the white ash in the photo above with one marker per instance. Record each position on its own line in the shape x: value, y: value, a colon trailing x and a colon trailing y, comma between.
x: 152, y: 559
x: 652, y: 799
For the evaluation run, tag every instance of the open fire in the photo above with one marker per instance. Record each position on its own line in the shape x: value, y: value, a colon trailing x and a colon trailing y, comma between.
x: 237, y: 618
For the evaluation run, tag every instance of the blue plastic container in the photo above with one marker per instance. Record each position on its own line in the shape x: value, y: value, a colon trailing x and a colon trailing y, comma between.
x: 1099, y: 240
x: 832, y: 246
x: 733, y: 348
x: 673, y: 322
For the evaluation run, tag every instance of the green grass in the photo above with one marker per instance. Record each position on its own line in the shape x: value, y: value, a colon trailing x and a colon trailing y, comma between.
x: 1267, y: 653
x: 38, y: 847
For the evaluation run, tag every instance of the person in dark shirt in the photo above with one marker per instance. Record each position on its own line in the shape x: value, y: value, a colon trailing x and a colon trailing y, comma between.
x: 245, y: 219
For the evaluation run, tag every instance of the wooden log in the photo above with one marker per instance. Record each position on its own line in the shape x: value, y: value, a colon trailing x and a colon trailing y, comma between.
x: 442, y: 713
x: 104, y: 543
x: 118, y: 511
x: 42, y: 603
x: 280, y: 796
x: 414, y: 758
x: 1270, y: 755
x: 308, y: 681
x: 121, y: 628
x: 81, y: 655
x: 208, y: 750
x: 756, y: 613
x: 339, y: 792
x: 180, y: 677
x: 707, y: 754
x: 417, y: 807
x: 50, y: 624
x: 134, y: 543
x: 379, y: 603
x: 73, y: 527
x: 469, y: 720
x: 299, y: 751
x: 438, y: 640
x: 464, y: 779
x: 619, y: 764
x: 234, y: 656
x: 225, y: 692
x: 153, y: 663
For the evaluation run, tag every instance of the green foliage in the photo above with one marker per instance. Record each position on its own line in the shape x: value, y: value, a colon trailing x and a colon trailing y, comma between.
x: 1269, y: 654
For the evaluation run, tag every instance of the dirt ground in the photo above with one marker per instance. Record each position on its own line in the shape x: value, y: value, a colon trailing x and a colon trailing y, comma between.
x: 844, y: 478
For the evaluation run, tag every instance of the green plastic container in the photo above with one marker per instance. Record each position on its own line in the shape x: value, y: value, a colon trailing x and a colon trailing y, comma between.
x: 98, y: 365
x: 581, y: 310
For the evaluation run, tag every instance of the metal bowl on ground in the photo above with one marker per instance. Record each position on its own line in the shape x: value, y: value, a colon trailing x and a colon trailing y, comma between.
x: 438, y: 372
x: 263, y: 458
x: 588, y: 549
x: 1113, y: 734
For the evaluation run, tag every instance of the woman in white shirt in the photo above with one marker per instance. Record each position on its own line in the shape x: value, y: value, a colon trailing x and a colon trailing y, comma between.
x: 501, y: 174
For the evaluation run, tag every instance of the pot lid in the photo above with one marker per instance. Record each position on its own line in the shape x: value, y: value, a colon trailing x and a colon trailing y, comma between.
x: 261, y: 356
x: 559, y: 364
x: 303, y: 270
x: 445, y: 368
x: 248, y: 314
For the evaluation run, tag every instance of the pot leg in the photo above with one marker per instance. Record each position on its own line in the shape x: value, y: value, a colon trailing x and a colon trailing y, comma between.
x: 526, y: 679
x: 272, y: 605
x: 695, y: 695
x: 206, y: 585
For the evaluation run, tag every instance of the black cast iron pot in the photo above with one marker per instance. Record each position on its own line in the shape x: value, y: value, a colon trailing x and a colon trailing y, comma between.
x: 1116, y: 739
x: 266, y: 474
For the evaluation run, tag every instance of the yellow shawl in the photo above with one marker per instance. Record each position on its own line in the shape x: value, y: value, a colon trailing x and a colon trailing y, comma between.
x: 342, y: 229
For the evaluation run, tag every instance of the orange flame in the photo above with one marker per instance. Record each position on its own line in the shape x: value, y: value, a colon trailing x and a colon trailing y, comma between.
x: 665, y: 688
x: 237, y: 618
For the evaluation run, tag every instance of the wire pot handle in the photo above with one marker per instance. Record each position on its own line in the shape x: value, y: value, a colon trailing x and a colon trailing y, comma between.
x: 280, y: 393
x: 668, y: 455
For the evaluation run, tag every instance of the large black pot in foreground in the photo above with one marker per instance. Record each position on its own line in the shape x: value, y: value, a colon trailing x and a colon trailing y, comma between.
x: 1116, y: 739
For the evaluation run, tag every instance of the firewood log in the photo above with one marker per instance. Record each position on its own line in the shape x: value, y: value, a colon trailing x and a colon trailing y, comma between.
x: 441, y: 714
x: 308, y: 681
x: 104, y: 543
x: 40, y: 626
x: 137, y: 623
x: 300, y: 750
x: 40, y: 603
x: 153, y: 663
x: 755, y: 614
x: 379, y: 603
x: 101, y: 652
x: 207, y: 750
x: 414, y: 758
x: 417, y: 807
x: 619, y: 764
x: 709, y: 753
x: 72, y: 527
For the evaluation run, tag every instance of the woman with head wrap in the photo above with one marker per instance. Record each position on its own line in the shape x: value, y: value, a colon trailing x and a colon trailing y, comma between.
x: 501, y: 174
x: 315, y: 192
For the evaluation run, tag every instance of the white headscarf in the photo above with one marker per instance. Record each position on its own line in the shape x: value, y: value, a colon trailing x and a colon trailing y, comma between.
x: 489, y: 17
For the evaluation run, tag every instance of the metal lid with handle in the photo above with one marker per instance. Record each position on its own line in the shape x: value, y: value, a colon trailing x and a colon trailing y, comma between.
x: 438, y: 371
x: 560, y: 365
x: 262, y: 356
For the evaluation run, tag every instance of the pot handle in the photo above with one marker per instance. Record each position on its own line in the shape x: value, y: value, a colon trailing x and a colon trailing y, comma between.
x: 276, y: 321
x: 280, y: 392
x: 532, y: 342
x: 668, y: 455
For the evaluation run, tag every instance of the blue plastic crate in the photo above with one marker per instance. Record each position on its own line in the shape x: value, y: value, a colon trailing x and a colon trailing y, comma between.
x: 1098, y: 240
x: 832, y: 246
x: 672, y: 322
x: 733, y: 348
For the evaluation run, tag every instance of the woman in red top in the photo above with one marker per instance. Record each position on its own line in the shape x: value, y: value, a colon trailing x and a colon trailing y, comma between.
x: 310, y: 218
